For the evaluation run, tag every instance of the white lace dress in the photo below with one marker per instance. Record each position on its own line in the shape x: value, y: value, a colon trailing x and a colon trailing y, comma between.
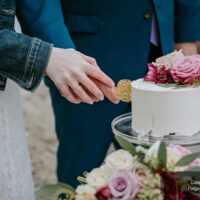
x: 15, y: 171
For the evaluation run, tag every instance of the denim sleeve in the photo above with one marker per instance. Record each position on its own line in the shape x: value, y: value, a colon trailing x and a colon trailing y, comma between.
x: 23, y: 59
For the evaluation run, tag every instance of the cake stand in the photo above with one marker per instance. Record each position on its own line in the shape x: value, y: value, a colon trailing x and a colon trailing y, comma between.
x: 122, y: 126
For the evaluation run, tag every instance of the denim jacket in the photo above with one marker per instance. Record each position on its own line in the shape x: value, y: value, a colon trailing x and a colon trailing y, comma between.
x: 22, y: 58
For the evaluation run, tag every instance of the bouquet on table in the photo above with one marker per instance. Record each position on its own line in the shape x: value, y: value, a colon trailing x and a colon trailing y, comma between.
x: 137, y: 173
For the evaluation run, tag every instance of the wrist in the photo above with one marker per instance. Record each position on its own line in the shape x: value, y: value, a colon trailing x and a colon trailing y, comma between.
x: 189, y: 48
x: 51, y: 61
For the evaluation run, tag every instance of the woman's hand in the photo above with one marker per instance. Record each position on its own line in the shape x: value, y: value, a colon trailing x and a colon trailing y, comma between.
x: 107, y: 91
x: 73, y: 75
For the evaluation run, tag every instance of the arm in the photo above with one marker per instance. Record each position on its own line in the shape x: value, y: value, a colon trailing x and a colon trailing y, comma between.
x: 187, y: 29
x: 23, y: 59
x: 45, y: 20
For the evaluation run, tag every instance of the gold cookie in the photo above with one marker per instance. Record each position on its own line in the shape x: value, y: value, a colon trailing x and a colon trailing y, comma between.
x: 123, y: 90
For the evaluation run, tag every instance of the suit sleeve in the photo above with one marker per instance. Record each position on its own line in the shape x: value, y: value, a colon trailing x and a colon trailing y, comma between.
x: 187, y: 20
x: 44, y: 19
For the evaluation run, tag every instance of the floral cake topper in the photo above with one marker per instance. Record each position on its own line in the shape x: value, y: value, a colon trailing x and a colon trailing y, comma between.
x: 175, y: 68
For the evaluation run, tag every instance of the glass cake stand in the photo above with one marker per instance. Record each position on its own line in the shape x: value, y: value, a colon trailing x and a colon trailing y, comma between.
x: 122, y: 126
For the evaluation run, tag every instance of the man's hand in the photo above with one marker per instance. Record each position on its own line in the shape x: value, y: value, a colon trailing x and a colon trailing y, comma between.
x: 189, y: 48
x: 110, y: 93
x: 73, y: 75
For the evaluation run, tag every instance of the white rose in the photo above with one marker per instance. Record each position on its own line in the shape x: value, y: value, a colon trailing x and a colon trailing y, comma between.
x: 98, y: 177
x: 107, y: 170
x: 120, y: 159
x: 85, y: 192
x: 152, y: 153
x: 169, y: 59
x: 141, y: 149
x: 173, y: 156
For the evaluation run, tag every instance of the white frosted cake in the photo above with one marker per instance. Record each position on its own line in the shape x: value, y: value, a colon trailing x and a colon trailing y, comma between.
x: 165, y: 109
x: 167, y: 100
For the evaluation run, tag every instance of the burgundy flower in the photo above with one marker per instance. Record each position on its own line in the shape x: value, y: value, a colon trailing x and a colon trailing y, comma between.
x: 164, y: 75
x: 171, y: 189
x: 103, y: 194
x: 152, y: 74
x: 185, y: 70
x: 158, y: 74
x: 187, y: 195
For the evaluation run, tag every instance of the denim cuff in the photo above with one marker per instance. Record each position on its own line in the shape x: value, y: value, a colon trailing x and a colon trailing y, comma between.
x: 36, y: 63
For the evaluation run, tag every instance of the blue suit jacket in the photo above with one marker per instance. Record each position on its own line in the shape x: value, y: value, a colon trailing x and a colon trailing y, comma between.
x: 115, y: 32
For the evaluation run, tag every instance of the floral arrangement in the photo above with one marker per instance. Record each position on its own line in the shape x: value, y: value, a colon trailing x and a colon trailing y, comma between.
x: 175, y: 68
x: 136, y: 173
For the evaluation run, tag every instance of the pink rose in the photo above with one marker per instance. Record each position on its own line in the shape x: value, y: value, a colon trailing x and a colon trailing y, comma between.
x: 123, y: 185
x: 103, y: 193
x: 185, y: 70
x: 184, y: 152
x: 152, y: 74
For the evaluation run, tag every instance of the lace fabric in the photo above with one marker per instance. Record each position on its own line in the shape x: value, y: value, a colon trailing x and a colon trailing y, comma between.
x: 15, y: 170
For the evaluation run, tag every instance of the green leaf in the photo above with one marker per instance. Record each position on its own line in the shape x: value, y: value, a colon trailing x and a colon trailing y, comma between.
x: 162, y: 154
x: 49, y: 191
x: 126, y: 145
x: 85, y: 173
x: 194, y: 171
x: 82, y: 179
x: 186, y: 160
x: 64, y: 185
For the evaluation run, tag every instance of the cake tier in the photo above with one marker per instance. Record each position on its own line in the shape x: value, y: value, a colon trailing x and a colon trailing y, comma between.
x: 165, y: 109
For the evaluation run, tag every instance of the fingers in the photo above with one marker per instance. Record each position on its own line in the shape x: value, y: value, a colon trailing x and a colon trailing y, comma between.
x: 108, y: 92
x: 68, y: 94
x: 72, y: 72
x: 91, y: 87
x: 81, y: 93
x: 97, y: 74
x: 91, y: 91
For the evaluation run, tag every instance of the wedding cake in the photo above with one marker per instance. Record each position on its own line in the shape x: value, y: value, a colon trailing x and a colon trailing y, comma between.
x: 167, y: 100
